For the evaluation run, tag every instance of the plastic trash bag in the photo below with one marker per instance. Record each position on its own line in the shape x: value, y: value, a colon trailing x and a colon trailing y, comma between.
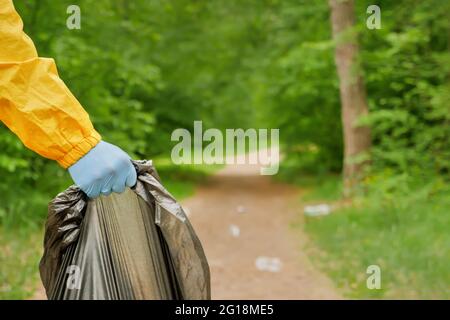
x: 134, y: 245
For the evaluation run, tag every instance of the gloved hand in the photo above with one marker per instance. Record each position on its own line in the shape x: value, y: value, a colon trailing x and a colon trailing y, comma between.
x: 104, y: 169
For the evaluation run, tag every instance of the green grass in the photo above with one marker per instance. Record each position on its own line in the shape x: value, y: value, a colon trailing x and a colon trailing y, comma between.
x: 22, y: 226
x: 324, y: 188
x: 20, y: 252
x: 317, y: 186
x: 23, y: 211
x: 402, y: 230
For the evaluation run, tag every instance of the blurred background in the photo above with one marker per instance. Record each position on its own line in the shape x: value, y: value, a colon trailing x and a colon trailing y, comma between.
x: 144, y: 68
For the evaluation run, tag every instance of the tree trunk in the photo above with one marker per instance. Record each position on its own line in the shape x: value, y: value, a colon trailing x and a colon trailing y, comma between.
x: 352, y: 90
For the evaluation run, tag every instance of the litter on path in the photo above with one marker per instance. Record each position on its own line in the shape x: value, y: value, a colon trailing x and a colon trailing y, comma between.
x: 240, y: 209
x: 317, y: 210
x: 235, y: 230
x: 270, y: 264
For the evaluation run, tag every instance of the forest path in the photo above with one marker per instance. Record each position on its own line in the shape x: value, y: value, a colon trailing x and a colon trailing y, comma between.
x: 262, y: 210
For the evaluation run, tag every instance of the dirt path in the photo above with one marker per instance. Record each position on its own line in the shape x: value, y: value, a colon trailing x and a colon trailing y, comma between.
x: 263, y: 211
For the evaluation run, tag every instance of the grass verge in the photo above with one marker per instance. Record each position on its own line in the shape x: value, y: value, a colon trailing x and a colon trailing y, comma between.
x: 400, y: 226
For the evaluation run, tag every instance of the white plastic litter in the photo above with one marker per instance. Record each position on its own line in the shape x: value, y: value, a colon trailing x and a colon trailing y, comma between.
x: 240, y: 209
x: 270, y: 264
x: 317, y: 210
x: 235, y: 230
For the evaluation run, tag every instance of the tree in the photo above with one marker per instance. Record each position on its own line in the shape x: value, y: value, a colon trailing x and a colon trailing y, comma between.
x: 357, y: 139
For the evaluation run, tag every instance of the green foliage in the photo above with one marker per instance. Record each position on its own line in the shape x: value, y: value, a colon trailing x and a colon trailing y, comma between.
x: 407, y: 71
x: 21, y: 249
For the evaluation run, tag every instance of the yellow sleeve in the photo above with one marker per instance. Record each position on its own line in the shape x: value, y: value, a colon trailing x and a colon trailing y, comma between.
x: 34, y: 102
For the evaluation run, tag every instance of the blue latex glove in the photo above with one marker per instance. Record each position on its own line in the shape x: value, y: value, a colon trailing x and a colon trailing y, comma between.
x: 104, y: 169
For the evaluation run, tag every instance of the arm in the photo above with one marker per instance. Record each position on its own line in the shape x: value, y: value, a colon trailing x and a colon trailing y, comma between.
x: 34, y: 102
x: 38, y: 107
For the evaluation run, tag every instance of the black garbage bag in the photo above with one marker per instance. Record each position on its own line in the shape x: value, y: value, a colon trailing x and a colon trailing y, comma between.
x: 134, y: 245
